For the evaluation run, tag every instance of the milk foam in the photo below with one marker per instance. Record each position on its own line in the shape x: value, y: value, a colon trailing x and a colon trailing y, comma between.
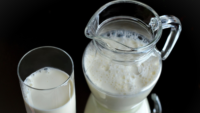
x: 128, y: 38
x: 121, y: 79
x: 46, y: 78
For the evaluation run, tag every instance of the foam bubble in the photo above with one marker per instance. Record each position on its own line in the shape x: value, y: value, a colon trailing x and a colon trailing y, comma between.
x: 130, y: 38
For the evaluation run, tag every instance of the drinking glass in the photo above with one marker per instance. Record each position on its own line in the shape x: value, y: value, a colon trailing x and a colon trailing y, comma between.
x: 58, y: 99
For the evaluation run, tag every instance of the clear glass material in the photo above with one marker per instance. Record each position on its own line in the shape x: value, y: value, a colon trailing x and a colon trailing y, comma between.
x: 46, y: 76
x: 125, y: 33
x: 117, y: 101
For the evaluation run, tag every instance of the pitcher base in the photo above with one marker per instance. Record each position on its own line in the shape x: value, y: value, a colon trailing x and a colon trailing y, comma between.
x: 93, y: 107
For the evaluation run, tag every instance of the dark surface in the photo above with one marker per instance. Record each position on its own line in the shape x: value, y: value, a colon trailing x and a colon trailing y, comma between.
x: 26, y: 24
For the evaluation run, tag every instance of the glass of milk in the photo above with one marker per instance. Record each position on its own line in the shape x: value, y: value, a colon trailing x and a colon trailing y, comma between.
x: 122, y: 64
x: 46, y: 76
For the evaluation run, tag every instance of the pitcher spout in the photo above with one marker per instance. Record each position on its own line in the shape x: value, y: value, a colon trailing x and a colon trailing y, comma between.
x: 92, y: 26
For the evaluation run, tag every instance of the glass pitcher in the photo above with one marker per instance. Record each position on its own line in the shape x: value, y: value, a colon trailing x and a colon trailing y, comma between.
x: 122, y: 64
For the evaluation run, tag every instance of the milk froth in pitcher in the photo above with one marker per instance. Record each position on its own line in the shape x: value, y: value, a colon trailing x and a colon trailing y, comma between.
x: 122, y: 64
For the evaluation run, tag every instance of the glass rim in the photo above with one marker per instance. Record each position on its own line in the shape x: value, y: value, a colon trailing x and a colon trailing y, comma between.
x: 149, y: 86
x: 41, y: 47
x: 156, y: 37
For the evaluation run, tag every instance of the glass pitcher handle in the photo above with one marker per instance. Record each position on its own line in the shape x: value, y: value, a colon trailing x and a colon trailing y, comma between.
x: 157, y: 105
x: 169, y: 21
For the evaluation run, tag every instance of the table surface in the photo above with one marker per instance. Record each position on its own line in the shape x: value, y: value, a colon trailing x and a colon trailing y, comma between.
x: 25, y: 25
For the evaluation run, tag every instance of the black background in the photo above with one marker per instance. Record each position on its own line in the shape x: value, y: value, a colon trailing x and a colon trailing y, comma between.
x: 26, y: 24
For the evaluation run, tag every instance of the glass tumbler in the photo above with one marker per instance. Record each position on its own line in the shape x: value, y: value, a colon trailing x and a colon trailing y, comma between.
x: 46, y: 77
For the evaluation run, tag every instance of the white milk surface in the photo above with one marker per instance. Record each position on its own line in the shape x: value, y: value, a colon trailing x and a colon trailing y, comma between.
x: 119, y: 79
x: 58, y: 100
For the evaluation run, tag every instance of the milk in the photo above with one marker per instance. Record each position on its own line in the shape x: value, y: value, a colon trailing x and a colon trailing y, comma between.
x: 57, y: 100
x: 93, y: 107
x: 116, y: 86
